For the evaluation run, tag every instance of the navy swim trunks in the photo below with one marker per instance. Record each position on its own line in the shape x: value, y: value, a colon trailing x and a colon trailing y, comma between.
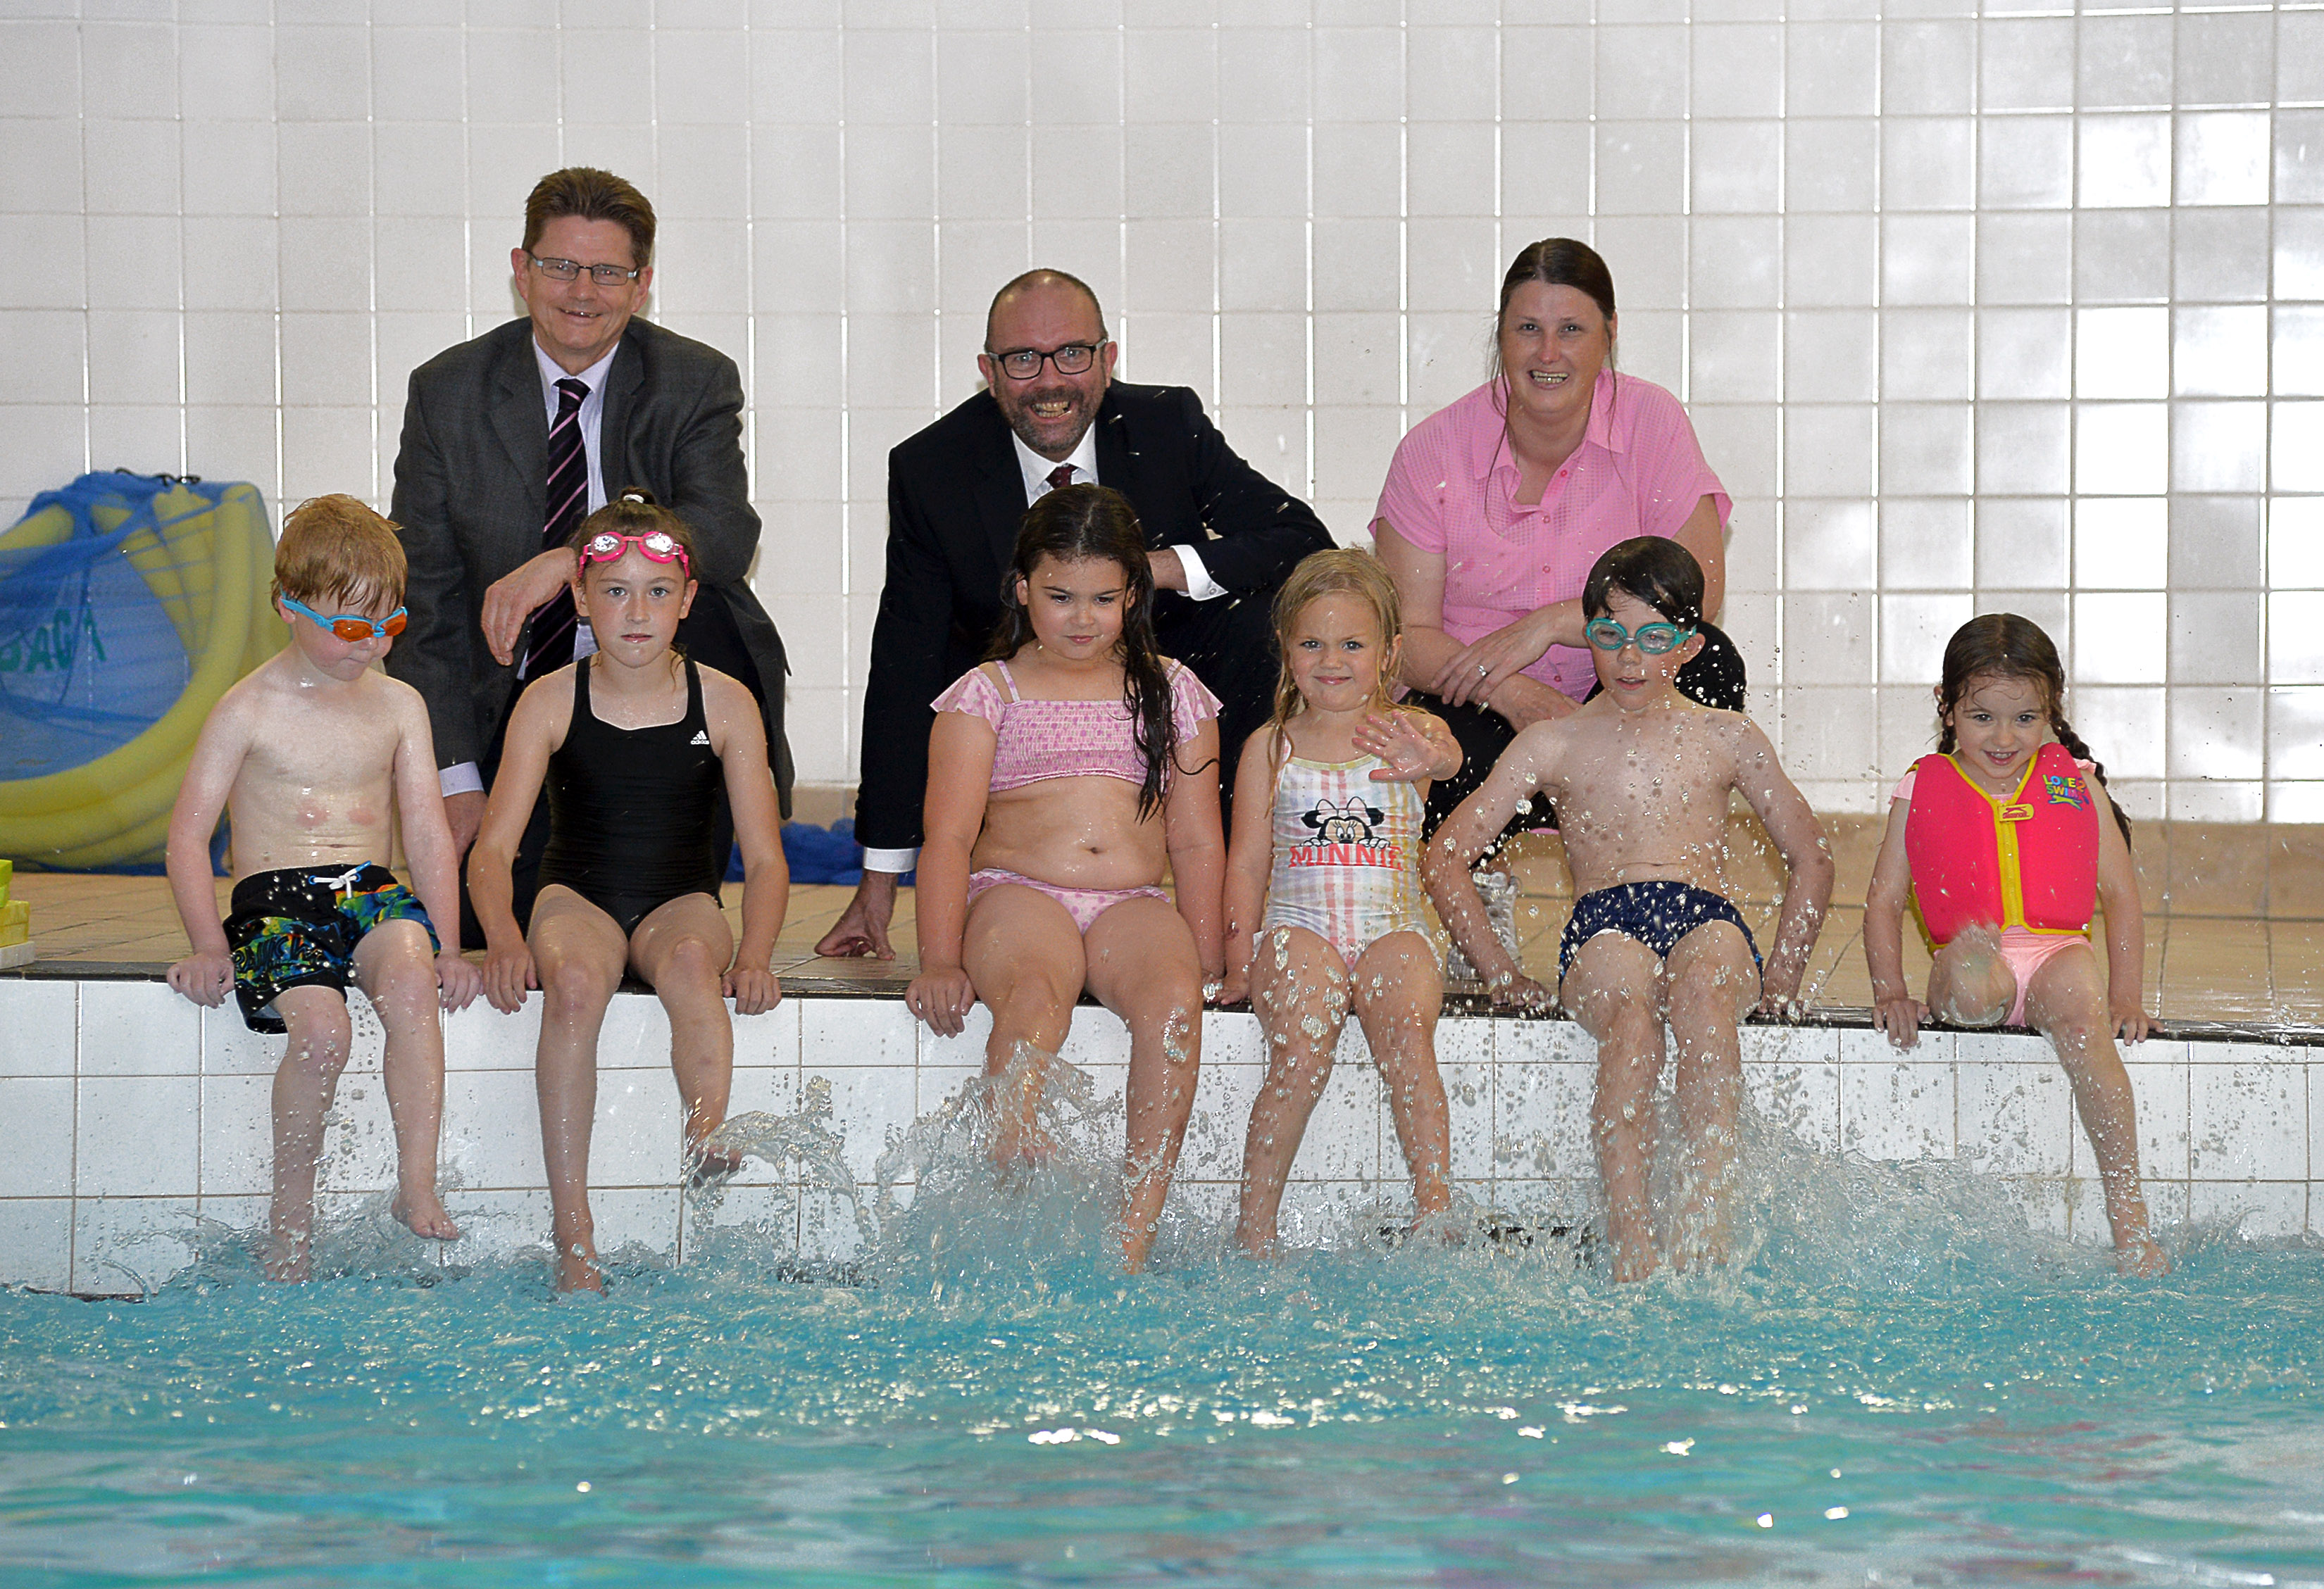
x: 1656, y: 913
x: 299, y: 928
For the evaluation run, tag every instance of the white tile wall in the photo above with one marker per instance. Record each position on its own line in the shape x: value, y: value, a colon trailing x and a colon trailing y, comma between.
x: 113, y: 1168
x: 1928, y: 282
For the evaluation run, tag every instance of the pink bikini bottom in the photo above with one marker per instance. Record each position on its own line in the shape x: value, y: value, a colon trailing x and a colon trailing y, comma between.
x: 1084, y: 904
x: 2025, y: 951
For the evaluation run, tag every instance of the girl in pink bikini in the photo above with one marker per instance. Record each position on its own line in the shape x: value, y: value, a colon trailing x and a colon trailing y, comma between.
x: 2001, y: 843
x: 1064, y: 773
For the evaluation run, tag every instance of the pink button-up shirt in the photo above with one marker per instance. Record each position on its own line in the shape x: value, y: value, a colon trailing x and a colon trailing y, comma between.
x: 1452, y: 490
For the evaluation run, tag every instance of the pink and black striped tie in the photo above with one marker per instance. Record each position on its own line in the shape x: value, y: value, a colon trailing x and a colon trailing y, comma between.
x: 552, y: 644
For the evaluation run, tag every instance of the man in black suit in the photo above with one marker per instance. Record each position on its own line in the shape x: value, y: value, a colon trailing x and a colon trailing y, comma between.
x: 1221, y: 536
x: 510, y: 440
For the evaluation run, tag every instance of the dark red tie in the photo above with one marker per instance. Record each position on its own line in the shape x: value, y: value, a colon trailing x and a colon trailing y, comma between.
x: 552, y: 644
x: 1062, y: 475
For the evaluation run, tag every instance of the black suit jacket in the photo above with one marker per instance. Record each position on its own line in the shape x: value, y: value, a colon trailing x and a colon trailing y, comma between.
x: 471, y: 488
x: 955, y: 497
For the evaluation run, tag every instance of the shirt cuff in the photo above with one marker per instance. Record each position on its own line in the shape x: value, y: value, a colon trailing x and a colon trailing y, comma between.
x: 460, y: 778
x: 895, y: 862
x: 1200, y: 585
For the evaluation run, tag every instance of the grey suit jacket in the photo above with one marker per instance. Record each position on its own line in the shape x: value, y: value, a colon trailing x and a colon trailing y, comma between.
x: 471, y: 495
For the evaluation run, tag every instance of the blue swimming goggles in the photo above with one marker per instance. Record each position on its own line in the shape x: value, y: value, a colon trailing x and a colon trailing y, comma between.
x: 353, y: 626
x: 1655, y: 640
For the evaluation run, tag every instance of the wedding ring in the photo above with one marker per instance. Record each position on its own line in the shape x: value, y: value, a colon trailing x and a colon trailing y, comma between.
x: 1482, y: 670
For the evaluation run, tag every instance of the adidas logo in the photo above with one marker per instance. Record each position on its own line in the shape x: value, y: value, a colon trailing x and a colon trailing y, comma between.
x: 701, y: 737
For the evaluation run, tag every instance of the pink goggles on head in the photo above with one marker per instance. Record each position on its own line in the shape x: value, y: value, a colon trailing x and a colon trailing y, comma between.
x: 658, y: 545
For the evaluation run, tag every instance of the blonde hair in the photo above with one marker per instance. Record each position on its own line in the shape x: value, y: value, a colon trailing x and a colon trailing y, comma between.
x: 1342, y: 570
x: 335, y: 550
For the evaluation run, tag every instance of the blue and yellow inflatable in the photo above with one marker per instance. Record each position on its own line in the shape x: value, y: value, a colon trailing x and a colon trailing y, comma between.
x: 129, y: 603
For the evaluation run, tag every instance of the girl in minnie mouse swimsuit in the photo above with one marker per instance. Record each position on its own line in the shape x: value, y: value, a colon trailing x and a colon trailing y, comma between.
x: 1334, y: 859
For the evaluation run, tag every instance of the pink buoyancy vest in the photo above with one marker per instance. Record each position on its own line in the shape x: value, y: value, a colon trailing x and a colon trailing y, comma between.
x: 2029, y: 861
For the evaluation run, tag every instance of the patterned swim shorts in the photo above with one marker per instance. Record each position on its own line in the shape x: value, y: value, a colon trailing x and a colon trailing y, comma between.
x: 299, y: 928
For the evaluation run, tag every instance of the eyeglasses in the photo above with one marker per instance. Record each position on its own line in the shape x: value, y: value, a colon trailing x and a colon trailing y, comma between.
x: 1022, y: 363
x: 1655, y: 640
x: 353, y: 626
x: 659, y: 545
x: 567, y: 270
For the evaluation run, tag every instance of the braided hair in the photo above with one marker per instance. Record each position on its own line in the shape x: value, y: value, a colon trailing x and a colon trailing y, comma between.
x: 2002, y: 645
x: 1078, y: 523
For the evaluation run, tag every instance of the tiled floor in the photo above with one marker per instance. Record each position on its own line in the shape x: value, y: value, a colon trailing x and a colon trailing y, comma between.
x: 2207, y: 968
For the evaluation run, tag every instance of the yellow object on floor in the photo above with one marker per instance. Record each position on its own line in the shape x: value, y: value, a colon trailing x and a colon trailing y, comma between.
x: 7, y: 875
x: 14, y: 932
x: 15, y: 913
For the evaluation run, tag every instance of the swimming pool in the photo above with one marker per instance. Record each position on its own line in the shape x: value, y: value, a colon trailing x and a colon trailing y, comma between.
x: 1901, y: 1384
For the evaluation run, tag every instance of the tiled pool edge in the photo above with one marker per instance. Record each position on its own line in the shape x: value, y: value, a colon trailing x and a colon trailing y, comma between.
x: 136, y: 1119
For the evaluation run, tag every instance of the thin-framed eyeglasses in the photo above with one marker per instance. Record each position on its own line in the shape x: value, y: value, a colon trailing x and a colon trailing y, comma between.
x: 1655, y: 640
x: 1022, y: 363
x: 353, y: 627
x: 570, y: 270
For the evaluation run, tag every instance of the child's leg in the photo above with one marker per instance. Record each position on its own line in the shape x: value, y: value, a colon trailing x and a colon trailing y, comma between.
x: 2066, y: 1001
x: 395, y: 966
x: 1399, y: 992
x: 1970, y: 983
x: 681, y: 950
x: 1144, y: 967
x: 1300, y: 991
x: 577, y: 952
x: 1023, y: 954
x: 1614, y: 989
x: 1708, y: 982
x: 303, y: 1085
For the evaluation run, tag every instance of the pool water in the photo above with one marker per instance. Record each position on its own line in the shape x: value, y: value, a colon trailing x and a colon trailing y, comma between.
x: 1897, y: 1383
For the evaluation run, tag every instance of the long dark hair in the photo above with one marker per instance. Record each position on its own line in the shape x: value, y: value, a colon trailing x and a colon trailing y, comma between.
x: 1079, y: 522
x: 2002, y: 645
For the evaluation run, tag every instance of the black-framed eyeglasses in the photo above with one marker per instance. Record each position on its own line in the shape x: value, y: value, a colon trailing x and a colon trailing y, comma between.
x: 1022, y: 363
x: 569, y: 270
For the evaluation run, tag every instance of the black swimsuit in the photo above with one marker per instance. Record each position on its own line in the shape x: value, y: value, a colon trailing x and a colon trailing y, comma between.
x: 630, y: 809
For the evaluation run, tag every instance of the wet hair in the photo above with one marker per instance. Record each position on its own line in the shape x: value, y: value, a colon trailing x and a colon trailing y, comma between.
x: 1080, y: 523
x: 1342, y: 570
x: 2002, y: 645
x: 634, y: 511
x: 336, y: 550
x: 592, y: 195
x: 1556, y: 262
x: 1649, y: 568
x: 1043, y: 278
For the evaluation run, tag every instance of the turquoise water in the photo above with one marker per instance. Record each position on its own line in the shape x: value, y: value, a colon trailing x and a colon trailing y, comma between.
x: 1893, y: 1386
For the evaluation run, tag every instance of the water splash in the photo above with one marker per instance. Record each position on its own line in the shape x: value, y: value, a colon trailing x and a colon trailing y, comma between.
x: 806, y: 1135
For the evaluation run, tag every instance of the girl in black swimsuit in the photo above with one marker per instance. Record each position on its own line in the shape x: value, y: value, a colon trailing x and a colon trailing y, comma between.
x: 635, y: 744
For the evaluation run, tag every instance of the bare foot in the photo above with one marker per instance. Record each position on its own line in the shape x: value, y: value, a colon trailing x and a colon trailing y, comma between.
x: 709, y: 1167
x: 290, y: 1256
x: 423, y: 1215
x: 578, y: 1271
x: 1634, y: 1261
x: 2143, y: 1257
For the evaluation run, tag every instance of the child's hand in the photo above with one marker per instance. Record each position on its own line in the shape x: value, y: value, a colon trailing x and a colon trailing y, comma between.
x: 1395, y: 739
x: 508, y: 972
x: 1900, y: 1018
x: 753, y: 989
x: 458, y: 982
x: 1236, y: 986
x: 203, y: 978
x: 2131, y: 1024
x: 1518, y: 991
x: 942, y: 999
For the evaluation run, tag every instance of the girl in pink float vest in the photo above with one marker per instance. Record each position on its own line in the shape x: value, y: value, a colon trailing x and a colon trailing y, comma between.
x: 1999, y: 844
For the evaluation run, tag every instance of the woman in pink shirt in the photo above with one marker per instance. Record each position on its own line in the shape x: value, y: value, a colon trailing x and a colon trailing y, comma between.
x: 1496, y: 507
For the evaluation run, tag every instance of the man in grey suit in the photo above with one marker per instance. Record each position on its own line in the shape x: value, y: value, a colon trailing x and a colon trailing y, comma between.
x: 511, y: 439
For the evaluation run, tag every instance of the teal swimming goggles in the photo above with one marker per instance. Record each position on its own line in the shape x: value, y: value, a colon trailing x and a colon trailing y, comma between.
x: 1655, y: 640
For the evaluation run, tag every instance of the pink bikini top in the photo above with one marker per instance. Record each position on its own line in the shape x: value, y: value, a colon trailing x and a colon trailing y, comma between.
x: 1037, y: 739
